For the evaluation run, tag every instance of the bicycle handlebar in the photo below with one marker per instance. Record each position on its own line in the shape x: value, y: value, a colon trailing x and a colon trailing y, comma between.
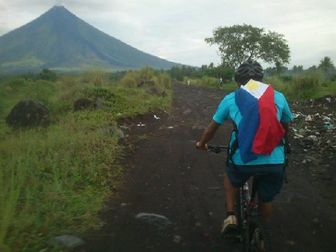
x: 216, y: 148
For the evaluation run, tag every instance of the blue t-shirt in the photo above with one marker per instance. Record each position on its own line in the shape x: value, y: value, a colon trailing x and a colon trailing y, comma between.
x: 228, y: 110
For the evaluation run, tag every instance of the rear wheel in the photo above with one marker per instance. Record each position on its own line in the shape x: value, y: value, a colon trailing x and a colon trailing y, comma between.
x: 260, y: 234
x: 261, y: 238
x: 241, y: 204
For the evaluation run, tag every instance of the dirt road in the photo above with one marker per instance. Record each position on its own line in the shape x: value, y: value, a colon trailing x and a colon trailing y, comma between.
x: 167, y: 176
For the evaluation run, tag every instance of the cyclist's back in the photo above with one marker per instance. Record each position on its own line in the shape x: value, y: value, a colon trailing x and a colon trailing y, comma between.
x: 228, y: 110
x: 260, y: 116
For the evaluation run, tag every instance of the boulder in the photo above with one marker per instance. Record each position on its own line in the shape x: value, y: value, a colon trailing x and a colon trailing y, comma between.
x: 156, y: 220
x: 84, y: 103
x: 28, y: 113
x: 66, y: 241
x: 154, y: 91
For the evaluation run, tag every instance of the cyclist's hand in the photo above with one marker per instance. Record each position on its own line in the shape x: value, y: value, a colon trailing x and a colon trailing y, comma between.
x: 201, y: 146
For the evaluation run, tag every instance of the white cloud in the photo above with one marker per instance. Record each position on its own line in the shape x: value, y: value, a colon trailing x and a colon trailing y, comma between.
x: 175, y: 29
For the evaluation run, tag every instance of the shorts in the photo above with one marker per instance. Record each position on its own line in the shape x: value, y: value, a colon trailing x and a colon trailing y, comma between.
x: 269, y: 184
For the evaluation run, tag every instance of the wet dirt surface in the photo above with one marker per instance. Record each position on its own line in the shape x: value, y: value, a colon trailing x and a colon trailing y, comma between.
x: 166, y: 175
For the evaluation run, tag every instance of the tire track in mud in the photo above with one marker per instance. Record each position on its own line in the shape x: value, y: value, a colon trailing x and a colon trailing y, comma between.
x: 166, y: 175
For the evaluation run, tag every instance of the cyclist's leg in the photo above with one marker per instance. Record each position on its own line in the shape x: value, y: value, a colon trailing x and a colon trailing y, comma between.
x: 265, y: 211
x: 269, y: 186
x: 234, y: 177
x: 230, y: 194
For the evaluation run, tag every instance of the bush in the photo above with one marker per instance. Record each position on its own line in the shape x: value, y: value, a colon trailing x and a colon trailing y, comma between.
x: 48, y: 75
x: 130, y: 80
x: 146, y: 78
x: 305, y: 86
x: 278, y: 84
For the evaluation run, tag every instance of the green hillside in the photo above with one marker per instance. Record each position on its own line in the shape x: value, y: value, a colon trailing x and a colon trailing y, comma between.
x: 59, y: 40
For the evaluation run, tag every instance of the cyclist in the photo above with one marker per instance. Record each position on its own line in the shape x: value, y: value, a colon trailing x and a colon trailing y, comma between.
x: 260, y: 116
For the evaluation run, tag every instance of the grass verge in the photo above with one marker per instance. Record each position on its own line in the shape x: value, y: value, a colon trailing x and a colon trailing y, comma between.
x: 54, y: 180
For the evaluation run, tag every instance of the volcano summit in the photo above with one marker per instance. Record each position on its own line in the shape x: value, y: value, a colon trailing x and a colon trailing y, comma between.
x: 60, y: 40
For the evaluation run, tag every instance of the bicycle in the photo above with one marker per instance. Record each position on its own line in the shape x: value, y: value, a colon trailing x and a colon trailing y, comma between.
x: 253, y: 235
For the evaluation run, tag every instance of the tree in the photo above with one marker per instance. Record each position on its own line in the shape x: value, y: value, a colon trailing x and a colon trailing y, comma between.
x: 326, y: 64
x: 297, y: 69
x: 239, y: 43
x: 48, y: 75
x: 327, y: 67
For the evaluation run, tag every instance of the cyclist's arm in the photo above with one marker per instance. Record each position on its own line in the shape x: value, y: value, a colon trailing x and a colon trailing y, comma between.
x: 285, y: 125
x: 207, y: 135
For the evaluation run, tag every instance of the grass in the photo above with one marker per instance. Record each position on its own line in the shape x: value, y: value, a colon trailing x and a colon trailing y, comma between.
x: 304, y: 87
x: 301, y: 87
x: 54, y: 180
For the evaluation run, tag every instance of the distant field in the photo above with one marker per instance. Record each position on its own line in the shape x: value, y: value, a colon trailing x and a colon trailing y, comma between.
x: 302, y: 87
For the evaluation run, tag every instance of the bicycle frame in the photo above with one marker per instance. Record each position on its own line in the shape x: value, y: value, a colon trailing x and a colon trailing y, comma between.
x: 252, y: 233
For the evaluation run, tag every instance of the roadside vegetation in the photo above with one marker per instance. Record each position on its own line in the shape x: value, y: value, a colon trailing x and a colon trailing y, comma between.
x: 54, y: 180
x: 296, y: 83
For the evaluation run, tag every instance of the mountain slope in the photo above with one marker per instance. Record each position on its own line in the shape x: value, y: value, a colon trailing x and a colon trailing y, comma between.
x: 60, y: 40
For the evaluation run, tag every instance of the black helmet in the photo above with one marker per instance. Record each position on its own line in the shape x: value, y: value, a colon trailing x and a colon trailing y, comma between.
x: 249, y: 70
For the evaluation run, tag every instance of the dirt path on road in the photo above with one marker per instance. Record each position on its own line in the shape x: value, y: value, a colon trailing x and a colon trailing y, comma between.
x: 166, y: 175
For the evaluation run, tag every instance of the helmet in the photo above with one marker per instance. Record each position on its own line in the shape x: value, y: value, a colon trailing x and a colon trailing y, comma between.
x: 249, y: 70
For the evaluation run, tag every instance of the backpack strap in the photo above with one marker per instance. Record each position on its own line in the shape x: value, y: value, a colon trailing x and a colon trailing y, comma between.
x: 232, y: 148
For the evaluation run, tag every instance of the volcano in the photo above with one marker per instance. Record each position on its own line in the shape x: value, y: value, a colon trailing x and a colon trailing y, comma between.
x: 59, y: 40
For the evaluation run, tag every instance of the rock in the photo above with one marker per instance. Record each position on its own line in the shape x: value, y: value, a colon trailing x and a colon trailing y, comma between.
x: 198, y: 224
x: 99, y: 103
x: 309, y: 118
x: 120, y: 133
x: 156, y: 220
x: 141, y: 83
x: 67, y: 241
x: 326, y: 118
x: 187, y: 111
x: 291, y: 243
x: 154, y: 91
x: 177, y: 239
x: 140, y: 124
x: 28, y: 113
x: 313, y: 138
x: 298, y: 135
x: 84, y: 103
x: 112, y: 131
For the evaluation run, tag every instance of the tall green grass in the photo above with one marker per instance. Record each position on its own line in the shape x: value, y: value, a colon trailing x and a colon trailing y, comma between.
x: 304, y: 87
x: 54, y: 180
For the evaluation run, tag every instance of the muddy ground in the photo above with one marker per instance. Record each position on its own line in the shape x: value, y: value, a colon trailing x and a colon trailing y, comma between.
x: 166, y: 175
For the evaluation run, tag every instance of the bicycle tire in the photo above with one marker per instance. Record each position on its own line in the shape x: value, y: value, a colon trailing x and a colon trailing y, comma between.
x: 241, y: 216
x: 260, y: 238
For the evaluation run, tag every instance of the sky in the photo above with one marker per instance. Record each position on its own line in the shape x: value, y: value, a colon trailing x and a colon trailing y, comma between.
x: 175, y: 29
